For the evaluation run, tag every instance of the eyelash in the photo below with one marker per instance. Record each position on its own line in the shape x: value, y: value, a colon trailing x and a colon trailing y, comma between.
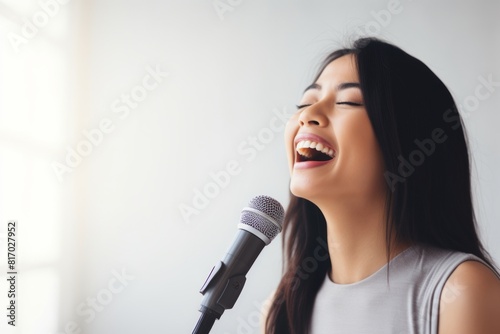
x: 347, y: 103
x: 350, y: 103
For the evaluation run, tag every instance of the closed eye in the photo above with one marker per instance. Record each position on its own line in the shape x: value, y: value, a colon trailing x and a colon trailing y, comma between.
x: 300, y: 106
x: 350, y: 103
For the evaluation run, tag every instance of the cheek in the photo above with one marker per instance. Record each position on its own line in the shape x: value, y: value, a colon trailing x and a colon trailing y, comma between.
x: 370, y: 149
x: 361, y: 148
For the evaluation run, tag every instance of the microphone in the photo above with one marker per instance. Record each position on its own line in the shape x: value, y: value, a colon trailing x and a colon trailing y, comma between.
x: 260, y: 222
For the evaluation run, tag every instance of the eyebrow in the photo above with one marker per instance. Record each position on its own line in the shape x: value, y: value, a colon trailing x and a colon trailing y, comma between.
x: 343, y: 85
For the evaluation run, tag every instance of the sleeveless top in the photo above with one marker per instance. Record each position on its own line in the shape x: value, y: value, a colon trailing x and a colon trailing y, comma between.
x: 408, y: 305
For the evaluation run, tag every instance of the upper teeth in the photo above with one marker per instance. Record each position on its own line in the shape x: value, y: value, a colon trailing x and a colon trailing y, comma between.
x: 317, y: 146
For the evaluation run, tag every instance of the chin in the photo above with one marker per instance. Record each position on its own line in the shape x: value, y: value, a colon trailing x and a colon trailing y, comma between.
x: 304, y: 190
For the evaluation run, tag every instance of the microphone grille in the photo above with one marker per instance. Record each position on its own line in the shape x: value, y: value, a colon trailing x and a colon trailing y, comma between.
x: 265, y: 214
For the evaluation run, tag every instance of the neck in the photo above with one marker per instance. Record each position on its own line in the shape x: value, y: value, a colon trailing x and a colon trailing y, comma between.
x: 356, y: 234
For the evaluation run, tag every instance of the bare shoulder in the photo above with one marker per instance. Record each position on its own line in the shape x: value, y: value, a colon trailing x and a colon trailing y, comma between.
x: 470, y: 301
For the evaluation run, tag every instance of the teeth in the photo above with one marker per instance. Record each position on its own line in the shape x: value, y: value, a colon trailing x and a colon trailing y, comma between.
x: 315, y: 145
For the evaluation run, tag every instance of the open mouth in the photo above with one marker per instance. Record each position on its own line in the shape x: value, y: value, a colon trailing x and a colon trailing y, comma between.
x: 313, y: 151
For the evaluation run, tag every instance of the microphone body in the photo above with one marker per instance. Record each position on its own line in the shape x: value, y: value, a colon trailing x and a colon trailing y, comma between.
x: 260, y: 223
x: 227, y: 277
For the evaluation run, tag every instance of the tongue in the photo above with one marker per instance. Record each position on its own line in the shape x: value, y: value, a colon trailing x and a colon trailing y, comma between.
x: 310, y: 154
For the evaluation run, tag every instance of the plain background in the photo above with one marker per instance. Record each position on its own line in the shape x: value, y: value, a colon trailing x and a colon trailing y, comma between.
x: 229, y: 75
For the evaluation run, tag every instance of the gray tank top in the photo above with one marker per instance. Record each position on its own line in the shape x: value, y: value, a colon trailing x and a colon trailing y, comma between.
x: 409, y: 305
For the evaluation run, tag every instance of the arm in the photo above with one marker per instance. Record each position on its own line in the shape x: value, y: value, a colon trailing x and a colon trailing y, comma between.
x: 470, y: 301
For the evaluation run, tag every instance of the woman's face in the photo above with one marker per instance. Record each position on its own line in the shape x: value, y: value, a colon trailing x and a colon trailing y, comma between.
x: 331, y: 147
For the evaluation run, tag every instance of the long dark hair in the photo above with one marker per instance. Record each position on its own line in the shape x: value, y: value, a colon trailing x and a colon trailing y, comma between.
x: 427, y: 168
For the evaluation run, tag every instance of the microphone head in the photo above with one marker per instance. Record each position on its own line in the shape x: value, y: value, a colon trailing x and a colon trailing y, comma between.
x: 263, y: 217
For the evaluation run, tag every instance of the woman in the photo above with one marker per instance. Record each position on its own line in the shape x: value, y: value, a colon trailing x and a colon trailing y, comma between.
x: 380, y: 184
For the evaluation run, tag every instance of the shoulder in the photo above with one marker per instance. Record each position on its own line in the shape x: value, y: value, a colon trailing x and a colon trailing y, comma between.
x: 470, y: 301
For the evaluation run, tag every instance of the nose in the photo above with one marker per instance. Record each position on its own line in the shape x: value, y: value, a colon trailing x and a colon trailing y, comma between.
x: 313, y: 116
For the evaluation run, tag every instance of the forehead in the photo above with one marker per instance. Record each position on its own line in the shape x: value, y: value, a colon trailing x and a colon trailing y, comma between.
x: 340, y: 70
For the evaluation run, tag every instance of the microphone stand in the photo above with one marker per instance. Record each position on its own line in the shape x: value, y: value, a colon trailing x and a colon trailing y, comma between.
x: 226, y: 280
x: 205, y: 323
x: 225, y: 299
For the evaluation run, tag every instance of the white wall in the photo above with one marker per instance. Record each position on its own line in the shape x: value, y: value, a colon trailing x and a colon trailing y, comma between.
x: 227, y: 79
